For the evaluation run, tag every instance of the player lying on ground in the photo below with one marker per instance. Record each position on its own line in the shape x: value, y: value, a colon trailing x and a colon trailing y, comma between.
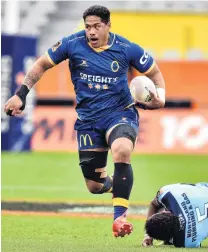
x: 107, y: 118
x: 184, y: 221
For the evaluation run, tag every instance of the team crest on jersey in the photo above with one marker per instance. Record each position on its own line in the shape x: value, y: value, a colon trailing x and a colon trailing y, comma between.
x: 56, y: 46
x: 114, y: 66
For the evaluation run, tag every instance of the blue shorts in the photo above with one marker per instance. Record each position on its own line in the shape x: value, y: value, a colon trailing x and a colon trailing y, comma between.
x: 91, y: 135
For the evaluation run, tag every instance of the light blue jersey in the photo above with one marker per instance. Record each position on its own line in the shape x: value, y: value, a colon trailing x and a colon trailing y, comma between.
x: 190, y: 203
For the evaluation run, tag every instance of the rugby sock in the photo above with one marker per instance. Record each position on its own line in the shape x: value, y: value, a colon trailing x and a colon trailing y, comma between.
x: 118, y: 211
x: 122, y: 185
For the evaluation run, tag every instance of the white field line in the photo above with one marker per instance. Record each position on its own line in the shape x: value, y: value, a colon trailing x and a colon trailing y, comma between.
x: 102, y: 209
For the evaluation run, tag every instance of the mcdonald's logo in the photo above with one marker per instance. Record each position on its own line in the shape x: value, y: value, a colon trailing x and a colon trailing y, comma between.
x: 83, y: 139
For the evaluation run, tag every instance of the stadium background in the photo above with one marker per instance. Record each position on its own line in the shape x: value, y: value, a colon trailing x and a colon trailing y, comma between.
x: 40, y: 171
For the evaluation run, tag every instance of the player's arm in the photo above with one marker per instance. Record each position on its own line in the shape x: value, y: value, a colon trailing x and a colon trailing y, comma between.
x: 157, y: 101
x: 146, y: 65
x: 154, y: 207
x: 16, y: 104
x: 37, y: 71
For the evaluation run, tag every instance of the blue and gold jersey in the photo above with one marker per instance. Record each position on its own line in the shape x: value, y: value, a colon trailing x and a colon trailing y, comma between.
x: 190, y: 203
x: 100, y: 75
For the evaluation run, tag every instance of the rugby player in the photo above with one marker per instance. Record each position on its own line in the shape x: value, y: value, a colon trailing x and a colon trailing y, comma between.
x: 107, y: 118
x: 184, y: 221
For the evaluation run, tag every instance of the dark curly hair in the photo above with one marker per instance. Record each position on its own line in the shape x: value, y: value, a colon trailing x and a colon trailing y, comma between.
x: 162, y: 226
x: 99, y: 11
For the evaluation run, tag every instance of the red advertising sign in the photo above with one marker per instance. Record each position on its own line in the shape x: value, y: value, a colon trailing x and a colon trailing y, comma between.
x: 161, y: 131
x: 184, y: 80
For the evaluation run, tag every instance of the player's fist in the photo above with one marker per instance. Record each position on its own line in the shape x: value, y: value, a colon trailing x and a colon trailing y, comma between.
x: 148, y: 241
x: 13, y: 105
x: 155, y: 102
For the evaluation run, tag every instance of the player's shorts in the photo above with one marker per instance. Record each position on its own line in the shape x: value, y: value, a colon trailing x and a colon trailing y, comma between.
x: 91, y: 135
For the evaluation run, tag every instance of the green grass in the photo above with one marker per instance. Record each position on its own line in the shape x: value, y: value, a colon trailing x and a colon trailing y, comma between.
x: 52, y: 234
x: 57, y: 176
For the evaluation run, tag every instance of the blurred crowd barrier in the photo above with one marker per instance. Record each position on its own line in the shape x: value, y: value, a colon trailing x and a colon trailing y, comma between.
x: 161, y: 131
x: 184, y: 80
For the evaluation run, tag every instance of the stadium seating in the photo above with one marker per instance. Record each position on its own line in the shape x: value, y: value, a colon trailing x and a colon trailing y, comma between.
x: 48, y: 19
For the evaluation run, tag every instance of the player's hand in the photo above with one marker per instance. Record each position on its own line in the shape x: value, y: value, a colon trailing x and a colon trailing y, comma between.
x: 13, y: 105
x: 155, y: 102
x: 148, y: 241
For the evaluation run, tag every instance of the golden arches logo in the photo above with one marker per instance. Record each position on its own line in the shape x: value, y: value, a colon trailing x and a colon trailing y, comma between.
x: 83, y: 139
x: 114, y: 66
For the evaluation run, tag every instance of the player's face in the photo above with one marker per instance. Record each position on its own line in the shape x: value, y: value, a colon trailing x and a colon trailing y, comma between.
x: 97, y: 32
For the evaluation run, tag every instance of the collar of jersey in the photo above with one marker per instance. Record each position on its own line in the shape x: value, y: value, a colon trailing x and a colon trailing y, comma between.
x: 103, y: 48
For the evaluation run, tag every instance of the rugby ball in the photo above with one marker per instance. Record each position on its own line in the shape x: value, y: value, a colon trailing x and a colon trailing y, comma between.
x: 139, y: 88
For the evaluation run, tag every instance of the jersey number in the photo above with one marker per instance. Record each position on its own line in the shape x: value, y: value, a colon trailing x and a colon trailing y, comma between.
x: 200, y: 216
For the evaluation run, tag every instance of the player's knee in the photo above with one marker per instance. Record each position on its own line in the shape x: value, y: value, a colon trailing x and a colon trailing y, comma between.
x: 93, y: 186
x: 94, y: 190
x: 122, y: 138
x: 93, y: 165
x: 122, y: 148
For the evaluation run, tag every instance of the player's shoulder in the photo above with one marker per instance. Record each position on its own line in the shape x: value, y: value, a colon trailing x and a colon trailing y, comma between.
x: 124, y: 42
x: 169, y: 187
x: 75, y: 37
x: 164, y: 191
x: 202, y: 185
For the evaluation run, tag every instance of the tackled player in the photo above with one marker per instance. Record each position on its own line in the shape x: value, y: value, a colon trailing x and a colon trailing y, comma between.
x: 184, y: 221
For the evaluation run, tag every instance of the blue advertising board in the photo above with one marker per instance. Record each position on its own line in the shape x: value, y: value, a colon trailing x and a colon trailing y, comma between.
x: 18, y: 53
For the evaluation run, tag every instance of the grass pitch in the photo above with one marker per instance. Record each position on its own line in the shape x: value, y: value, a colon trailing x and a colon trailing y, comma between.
x: 58, y: 177
x: 52, y: 234
x: 51, y: 177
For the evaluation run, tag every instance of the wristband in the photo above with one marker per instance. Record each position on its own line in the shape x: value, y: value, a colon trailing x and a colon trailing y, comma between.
x: 161, y: 93
x: 22, y: 93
